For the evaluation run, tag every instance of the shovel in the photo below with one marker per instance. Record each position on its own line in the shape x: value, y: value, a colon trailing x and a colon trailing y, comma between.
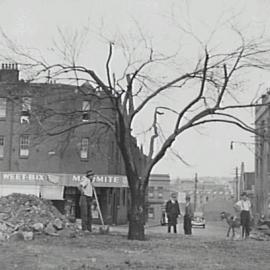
x: 104, y: 229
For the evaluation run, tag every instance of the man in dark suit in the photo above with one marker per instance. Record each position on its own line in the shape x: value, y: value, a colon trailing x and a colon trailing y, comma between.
x: 188, y: 216
x: 172, y: 211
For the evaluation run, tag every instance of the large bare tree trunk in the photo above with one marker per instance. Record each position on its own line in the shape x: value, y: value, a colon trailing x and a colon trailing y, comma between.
x: 137, y: 215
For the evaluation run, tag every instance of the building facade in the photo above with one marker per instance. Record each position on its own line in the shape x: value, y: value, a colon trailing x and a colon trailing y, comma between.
x: 158, y: 194
x: 262, y: 156
x: 36, y: 157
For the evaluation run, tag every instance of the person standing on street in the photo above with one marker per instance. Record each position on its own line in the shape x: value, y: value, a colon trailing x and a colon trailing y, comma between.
x: 86, y: 197
x: 172, y: 211
x: 188, y: 216
x: 244, y: 205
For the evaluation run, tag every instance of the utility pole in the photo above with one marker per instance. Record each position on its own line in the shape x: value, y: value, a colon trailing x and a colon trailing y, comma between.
x: 236, y: 184
x: 195, y: 191
x: 241, y: 182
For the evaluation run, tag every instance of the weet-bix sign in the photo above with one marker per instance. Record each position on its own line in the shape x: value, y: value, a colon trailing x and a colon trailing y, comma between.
x: 31, y: 178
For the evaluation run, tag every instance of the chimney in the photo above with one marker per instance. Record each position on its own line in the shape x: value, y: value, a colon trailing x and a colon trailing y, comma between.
x: 9, y: 72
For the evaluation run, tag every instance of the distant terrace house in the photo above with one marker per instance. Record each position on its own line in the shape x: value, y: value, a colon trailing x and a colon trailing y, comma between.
x: 249, y: 181
x: 207, y: 190
x: 51, y: 167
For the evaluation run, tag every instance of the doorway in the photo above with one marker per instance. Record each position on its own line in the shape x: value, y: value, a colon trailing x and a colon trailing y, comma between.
x: 115, y: 206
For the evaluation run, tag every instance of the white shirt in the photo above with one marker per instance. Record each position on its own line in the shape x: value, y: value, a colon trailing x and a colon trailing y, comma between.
x: 86, y: 187
x: 244, y: 205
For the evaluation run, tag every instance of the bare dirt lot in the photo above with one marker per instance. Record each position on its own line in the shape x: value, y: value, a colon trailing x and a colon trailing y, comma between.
x: 114, y: 251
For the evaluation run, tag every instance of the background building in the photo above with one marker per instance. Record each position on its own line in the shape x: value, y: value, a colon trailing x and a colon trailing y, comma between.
x: 207, y: 189
x: 158, y: 194
x: 249, y: 181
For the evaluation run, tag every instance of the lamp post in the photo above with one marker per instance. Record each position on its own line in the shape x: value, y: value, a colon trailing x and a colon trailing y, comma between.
x: 246, y: 144
x: 236, y: 184
x: 195, y: 191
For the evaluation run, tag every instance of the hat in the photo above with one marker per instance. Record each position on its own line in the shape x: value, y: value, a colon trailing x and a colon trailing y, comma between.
x: 89, y: 173
x: 243, y: 194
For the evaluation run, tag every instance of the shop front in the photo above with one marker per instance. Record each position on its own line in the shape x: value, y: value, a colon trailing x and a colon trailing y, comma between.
x: 61, y: 189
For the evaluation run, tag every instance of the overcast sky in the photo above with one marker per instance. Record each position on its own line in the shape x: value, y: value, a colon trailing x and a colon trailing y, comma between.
x: 34, y: 23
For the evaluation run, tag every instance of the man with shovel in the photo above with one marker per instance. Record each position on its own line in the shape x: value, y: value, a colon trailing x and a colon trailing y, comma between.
x: 86, y: 197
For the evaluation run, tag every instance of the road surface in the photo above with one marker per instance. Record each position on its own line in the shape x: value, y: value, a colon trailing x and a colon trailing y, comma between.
x: 213, y: 230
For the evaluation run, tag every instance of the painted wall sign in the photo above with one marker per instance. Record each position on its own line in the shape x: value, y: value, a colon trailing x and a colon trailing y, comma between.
x: 31, y: 178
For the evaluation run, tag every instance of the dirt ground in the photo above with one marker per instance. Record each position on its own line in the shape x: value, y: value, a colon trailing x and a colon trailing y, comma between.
x: 114, y: 251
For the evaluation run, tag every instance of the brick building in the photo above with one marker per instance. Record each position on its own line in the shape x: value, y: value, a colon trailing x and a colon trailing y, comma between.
x: 33, y: 162
x: 158, y: 194
x: 262, y: 157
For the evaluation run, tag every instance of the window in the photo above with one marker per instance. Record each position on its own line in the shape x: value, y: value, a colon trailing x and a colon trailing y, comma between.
x: 151, y: 192
x: 1, y: 146
x: 151, y: 212
x: 26, y: 108
x: 84, y: 148
x: 24, y: 146
x: 3, y: 107
x: 85, y: 109
x: 160, y: 192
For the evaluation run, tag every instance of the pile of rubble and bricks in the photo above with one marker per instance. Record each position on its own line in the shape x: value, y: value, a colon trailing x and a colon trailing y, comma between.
x: 23, y: 216
x: 261, y: 232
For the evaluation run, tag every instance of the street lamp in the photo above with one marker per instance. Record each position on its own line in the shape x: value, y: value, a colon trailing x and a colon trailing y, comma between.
x: 243, y: 143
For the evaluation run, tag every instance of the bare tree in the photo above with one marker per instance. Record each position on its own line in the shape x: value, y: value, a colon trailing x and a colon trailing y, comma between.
x: 211, y: 80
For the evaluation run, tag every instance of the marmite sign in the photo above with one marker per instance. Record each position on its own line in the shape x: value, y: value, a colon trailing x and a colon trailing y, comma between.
x: 31, y: 178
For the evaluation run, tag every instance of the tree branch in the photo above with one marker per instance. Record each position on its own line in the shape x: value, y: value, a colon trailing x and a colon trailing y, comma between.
x: 158, y: 91
x: 108, y: 66
x: 199, y: 96
x: 154, y: 136
x: 244, y: 127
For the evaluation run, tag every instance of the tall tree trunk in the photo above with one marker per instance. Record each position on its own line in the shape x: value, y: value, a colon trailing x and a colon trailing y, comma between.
x: 137, y: 215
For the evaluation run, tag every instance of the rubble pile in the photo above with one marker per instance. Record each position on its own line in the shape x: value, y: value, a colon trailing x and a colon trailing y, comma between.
x: 261, y: 231
x: 23, y: 215
x: 259, y: 235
